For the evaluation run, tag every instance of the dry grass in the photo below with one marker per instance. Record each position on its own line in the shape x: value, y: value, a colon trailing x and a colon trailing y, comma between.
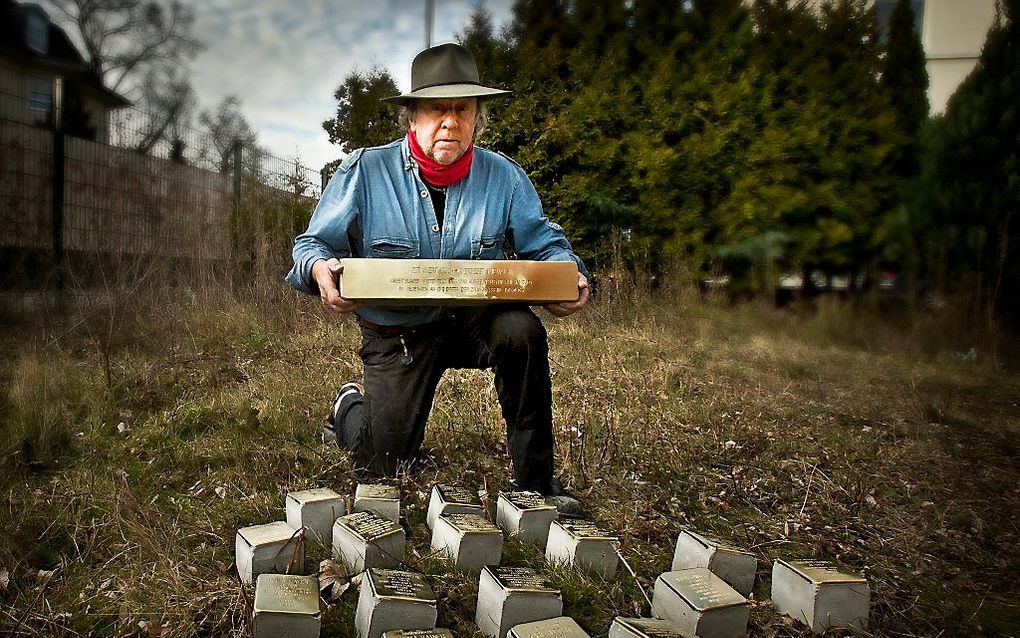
x: 829, y: 434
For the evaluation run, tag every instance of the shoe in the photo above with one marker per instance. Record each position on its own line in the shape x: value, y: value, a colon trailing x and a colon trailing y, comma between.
x: 346, y: 393
x: 567, y: 505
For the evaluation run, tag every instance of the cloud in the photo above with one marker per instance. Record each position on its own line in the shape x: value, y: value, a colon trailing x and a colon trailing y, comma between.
x: 284, y: 60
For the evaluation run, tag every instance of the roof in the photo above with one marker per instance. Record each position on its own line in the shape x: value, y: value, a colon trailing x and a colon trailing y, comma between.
x: 61, y: 58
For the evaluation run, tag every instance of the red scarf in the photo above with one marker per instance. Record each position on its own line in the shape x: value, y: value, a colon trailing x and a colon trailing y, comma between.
x: 437, y: 174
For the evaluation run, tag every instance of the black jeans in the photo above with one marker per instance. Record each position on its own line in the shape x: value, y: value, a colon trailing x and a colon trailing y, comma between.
x: 387, y: 427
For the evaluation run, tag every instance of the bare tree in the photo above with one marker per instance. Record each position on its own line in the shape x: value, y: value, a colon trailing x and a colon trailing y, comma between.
x: 139, y: 48
x: 170, y: 99
x: 227, y: 125
x: 123, y: 38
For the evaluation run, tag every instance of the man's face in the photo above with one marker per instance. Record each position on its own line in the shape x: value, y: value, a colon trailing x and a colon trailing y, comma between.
x: 445, y: 128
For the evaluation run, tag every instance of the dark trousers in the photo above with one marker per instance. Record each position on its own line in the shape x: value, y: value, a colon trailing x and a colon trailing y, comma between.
x: 387, y: 427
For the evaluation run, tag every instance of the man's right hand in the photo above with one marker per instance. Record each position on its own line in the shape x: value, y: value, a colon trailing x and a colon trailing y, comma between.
x: 326, y: 273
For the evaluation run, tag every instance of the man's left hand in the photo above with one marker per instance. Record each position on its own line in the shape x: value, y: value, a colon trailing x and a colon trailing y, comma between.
x: 564, y: 308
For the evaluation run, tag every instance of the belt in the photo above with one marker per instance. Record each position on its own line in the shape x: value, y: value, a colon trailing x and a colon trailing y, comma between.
x: 399, y: 331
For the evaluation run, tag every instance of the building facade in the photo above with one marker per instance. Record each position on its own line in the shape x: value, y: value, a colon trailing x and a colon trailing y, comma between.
x: 34, y: 53
x: 952, y: 34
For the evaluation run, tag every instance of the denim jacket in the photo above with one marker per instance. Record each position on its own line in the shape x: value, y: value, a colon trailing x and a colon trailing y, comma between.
x: 376, y: 205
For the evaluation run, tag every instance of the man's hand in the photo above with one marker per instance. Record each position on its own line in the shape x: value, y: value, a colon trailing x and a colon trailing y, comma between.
x: 564, y: 308
x: 326, y: 274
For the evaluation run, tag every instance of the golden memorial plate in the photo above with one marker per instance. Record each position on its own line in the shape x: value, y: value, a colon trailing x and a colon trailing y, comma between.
x: 436, y: 282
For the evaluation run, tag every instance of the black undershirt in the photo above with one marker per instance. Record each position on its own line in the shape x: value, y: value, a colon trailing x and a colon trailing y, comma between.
x: 438, y: 196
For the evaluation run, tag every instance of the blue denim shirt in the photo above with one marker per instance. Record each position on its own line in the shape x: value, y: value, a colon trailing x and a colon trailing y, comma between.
x: 376, y: 205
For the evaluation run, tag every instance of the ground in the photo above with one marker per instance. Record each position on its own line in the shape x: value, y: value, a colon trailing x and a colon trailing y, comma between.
x: 137, y: 438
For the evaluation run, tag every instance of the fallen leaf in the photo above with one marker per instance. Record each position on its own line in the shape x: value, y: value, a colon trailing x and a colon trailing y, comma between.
x: 45, y: 575
x: 221, y: 492
x: 5, y: 580
x: 333, y: 580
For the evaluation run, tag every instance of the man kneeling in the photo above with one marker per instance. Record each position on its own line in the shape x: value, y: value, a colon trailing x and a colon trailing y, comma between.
x: 433, y: 194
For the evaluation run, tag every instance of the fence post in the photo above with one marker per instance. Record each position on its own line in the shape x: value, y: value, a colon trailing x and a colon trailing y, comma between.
x: 58, y: 191
x: 236, y: 154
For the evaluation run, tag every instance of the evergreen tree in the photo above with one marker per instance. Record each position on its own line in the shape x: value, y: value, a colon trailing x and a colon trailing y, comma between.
x: 905, y: 78
x: 818, y: 170
x: 361, y: 118
x: 906, y: 82
x: 971, y: 176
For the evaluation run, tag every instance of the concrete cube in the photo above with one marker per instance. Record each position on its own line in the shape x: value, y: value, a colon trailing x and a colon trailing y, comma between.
x: 286, y: 606
x: 820, y: 594
x: 509, y: 596
x: 272, y: 548
x: 525, y: 515
x: 315, y: 510
x: 583, y: 544
x: 700, y: 604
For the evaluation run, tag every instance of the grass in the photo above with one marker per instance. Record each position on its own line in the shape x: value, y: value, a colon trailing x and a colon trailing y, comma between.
x: 830, y: 434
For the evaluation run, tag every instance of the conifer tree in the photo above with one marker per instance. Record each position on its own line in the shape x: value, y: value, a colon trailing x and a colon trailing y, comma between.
x: 362, y: 119
x: 971, y: 179
x: 905, y: 78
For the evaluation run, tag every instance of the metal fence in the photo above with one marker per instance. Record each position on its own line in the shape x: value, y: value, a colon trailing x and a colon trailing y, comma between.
x: 85, y: 192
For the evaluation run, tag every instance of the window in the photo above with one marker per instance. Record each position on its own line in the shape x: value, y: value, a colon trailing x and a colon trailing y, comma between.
x: 884, y: 10
x: 38, y: 33
x: 40, y: 93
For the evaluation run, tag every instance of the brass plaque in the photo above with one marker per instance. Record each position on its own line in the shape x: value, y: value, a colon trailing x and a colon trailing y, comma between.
x: 527, y: 500
x: 522, y: 578
x: 281, y: 593
x: 457, y: 281
x: 561, y: 627
x: 471, y: 524
x: 702, y: 589
x: 586, y: 529
x: 369, y: 525
x: 392, y: 583
x: 709, y: 542
x: 377, y: 490
x: 458, y: 495
x: 419, y: 633
x: 650, y: 627
x: 822, y: 571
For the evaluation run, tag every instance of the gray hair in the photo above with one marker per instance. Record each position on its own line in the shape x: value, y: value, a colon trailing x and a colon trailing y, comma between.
x: 408, y: 112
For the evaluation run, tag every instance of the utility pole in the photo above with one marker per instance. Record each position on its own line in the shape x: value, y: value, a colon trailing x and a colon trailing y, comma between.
x: 58, y: 190
x: 430, y: 7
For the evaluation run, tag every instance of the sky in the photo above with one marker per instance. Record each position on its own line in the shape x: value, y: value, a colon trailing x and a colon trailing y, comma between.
x: 284, y: 59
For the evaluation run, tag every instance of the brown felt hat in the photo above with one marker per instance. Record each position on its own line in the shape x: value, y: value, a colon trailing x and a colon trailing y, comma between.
x: 443, y: 72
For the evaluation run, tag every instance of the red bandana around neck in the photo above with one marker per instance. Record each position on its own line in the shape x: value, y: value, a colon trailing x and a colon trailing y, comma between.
x: 437, y: 174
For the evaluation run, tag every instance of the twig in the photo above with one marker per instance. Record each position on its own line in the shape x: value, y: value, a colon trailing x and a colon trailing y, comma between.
x: 633, y: 575
x: 808, y: 491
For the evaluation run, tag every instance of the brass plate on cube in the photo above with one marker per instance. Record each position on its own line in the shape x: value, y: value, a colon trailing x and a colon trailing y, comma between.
x: 561, y: 627
x: 369, y: 525
x: 457, y: 281
x: 709, y: 542
x: 457, y: 495
x: 821, y: 571
x: 439, y: 632
x: 471, y: 524
x: 650, y: 627
x: 377, y: 490
x: 285, y: 594
x: 521, y: 579
x: 702, y: 589
x: 586, y: 530
x: 527, y: 500
x: 392, y: 583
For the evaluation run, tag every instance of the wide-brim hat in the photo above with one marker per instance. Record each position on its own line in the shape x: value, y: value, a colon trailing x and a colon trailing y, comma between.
x: 443, y: 72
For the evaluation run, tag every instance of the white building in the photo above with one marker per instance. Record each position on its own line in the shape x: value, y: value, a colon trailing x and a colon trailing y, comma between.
x: 952, y: 34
